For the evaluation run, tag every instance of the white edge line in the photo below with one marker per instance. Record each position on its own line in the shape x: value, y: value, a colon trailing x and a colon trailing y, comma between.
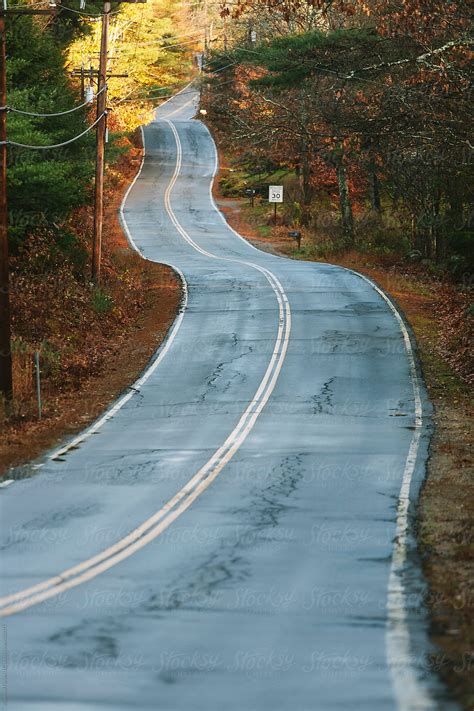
x: 216, y: 207
x: 409, y: 691
x: 178, y: 108
x: 161, y: 351
x: 167, y: 100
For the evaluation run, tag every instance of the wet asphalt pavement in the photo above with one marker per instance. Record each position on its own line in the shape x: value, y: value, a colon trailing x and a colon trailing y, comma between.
x: 267, y: 453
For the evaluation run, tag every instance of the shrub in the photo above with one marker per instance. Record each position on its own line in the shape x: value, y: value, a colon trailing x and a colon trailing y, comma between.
x: 101, y: 302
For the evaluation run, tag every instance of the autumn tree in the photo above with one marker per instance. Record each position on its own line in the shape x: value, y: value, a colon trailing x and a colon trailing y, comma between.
x: 384, y: 98
x: 150, y: 47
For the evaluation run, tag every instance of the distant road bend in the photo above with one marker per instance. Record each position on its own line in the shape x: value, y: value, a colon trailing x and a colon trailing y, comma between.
x: 235, y: 532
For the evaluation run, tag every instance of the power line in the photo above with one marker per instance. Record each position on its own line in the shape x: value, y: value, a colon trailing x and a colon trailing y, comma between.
x: 198, y: 33
x: 150, y: 98
x: 59, y: 113
x: 171, y: 86
x: 169, y: 46
x: 139, y: 29
x: 30, y: 5
x: 56, y: 145
x: 194, y: 4
x: 221, y: 69
x: 125, y: 98
x: 182, y: 93
x: 174, y: 37
x: 88, y: 14
x: 163, y: 48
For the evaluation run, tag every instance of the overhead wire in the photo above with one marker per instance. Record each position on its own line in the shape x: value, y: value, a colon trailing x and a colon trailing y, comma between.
x: 89, y: 128
x: 162, y: 39
x: 173, y: 37
x: 169, y: 46
x: 171, y: 86
x: 139, y: 29
x: 58, y: 113
x: 150, y: 98
x: 88, y: 14
x: 221, y: 69
x: 165, y: 88
x: 191, y: 35
x: 56, y: 145
x: 21, y: 7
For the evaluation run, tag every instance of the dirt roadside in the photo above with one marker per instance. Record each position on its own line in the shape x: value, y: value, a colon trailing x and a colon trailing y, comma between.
x: 446, y: 507
x: 129, y: 348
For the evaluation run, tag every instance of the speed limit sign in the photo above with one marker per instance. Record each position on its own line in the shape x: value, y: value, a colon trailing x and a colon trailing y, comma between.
x: 275, y: 193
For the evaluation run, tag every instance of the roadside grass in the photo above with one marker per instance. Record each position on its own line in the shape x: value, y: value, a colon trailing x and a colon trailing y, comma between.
x: 264, y: 230
x: 234, y: 181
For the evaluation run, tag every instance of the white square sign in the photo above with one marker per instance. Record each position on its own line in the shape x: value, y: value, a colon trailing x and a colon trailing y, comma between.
x: 275, y: 193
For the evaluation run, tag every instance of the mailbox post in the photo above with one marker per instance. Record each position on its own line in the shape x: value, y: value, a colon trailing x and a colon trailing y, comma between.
x: 297, y: 236
x: 250, y: 192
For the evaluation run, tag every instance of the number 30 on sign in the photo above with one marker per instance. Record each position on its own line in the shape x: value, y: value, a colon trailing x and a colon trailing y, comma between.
x: 275, y: 193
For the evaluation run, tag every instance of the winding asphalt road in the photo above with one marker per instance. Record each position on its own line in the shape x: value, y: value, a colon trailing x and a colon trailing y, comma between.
x: 235, y: 533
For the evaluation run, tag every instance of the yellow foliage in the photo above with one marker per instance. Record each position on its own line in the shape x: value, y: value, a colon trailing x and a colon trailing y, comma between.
x: 153, y: 43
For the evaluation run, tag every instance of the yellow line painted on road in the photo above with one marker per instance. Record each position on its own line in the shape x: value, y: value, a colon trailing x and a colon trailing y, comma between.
x: 156, y: 524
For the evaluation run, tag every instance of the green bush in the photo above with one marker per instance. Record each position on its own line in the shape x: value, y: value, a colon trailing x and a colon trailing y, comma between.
x: 101, y: 302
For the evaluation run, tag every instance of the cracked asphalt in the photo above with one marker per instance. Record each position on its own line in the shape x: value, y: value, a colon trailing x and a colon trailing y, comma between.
x: 270, y: 590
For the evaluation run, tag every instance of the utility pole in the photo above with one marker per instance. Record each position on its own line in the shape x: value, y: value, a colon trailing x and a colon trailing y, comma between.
x: 100, y: 155
x: 206, y: 29
x: 83, y: 87
x: 100, y: 149
x: 6, y: 374
x: 6, y: 371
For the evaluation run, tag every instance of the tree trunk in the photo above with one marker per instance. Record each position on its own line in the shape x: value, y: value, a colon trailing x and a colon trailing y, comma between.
x: 455, y: 218
x: 345, y: 203
x: 374, y: 190
x: 305, y: 161
x: 435, y: 231
x: 306, y: 179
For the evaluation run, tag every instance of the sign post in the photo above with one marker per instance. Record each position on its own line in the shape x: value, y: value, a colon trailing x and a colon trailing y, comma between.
x: 275, y: 195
